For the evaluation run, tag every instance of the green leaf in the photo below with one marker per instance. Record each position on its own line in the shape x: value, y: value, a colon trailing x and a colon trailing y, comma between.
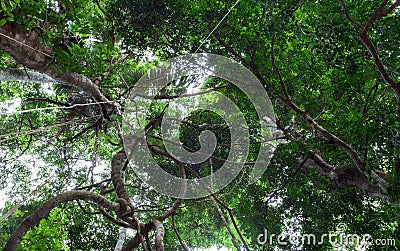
x: 3, y: 6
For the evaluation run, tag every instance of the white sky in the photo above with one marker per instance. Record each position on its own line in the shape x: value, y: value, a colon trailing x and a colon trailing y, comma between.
x: 3, y: 198
x: 12, y: 106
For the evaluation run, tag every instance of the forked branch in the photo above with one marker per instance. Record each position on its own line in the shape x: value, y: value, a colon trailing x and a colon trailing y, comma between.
x: 383, y: 70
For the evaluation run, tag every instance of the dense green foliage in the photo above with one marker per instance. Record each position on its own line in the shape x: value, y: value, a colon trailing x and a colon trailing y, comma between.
x: 306, y: 53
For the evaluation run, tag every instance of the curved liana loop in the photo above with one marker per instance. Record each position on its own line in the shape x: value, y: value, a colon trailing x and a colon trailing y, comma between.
x: 152, y: 86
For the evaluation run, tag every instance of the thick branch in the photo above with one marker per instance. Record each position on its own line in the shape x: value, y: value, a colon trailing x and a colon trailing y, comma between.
x: 45, y: 208
x: 133, y: 243
x: 25, y: 48
x: 22, y: 75
x: 159, y: 236
x: 138, y: 239
x: 348, y: 176
x: 117, y: 164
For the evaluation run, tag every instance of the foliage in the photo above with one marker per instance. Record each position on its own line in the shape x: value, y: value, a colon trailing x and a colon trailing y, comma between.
x: 306, y: 53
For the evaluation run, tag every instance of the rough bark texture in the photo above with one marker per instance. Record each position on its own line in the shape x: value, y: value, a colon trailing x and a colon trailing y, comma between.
x: 25, y: 48
x: 117, y: 164
x: 159, y: 235
x: 349, y: 176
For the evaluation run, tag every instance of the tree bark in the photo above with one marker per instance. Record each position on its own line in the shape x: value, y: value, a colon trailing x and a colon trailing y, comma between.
x: 46, y: 207
x: 21, y: 75
x: 25, y: 48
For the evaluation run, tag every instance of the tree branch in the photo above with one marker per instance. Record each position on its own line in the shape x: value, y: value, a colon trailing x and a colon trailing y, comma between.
x: 10, y: 74
x: 25, y: 48
x: 346, y: 12
x: 159, y: 236
x: 113, y: 220
x: 221, y: 214
x: 178, y: 235
x: 46, y: 207
x: 366, y: 40
x: 182, y: 193
x: 360, y: 164
x: 133, y: 243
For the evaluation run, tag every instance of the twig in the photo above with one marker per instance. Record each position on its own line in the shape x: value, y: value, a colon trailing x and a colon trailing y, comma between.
x: 113, y: 220
x: 182, y: 193
x: 84, y: 210
x: 178, y: 235
x: 346, y: 12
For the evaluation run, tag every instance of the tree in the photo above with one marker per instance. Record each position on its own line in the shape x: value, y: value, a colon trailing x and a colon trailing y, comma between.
x: 330, y: 69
